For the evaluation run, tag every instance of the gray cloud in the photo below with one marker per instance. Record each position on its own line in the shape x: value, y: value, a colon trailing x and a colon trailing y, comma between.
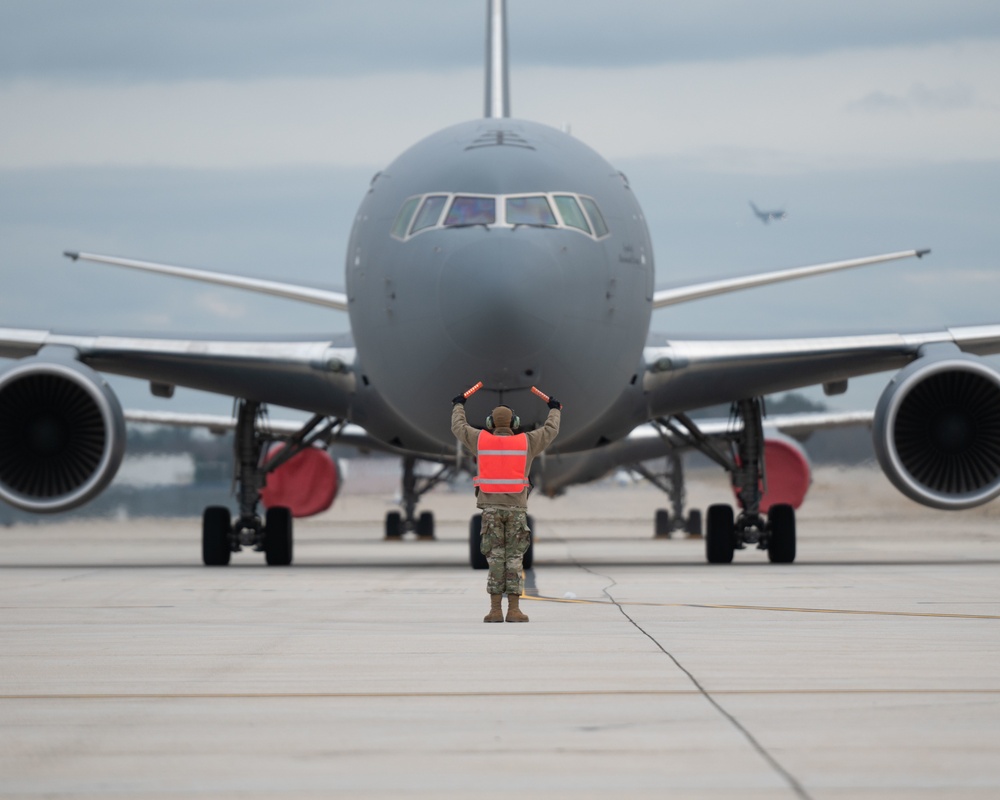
x: 292, y: 223
x: 160, y: 40
x: 919, y: 97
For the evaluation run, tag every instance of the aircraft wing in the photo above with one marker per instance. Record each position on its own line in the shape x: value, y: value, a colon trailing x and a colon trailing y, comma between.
x: 290, y: 291
x: 352, y: 435
x: 648, y: 442
x: 685, y: 294
x: 686, y: 374
x: 316, y: 376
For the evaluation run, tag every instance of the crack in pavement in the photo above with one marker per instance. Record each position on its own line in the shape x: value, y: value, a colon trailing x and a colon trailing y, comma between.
x: 787, y: 776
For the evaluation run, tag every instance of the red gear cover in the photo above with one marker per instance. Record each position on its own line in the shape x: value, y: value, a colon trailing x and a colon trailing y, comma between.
x: 306, y: 484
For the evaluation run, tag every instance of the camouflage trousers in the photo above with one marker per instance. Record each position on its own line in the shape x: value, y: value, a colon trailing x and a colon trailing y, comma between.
x: 505, y: 540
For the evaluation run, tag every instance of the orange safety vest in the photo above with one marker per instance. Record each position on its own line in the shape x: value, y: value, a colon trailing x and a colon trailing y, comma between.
x: 502, y: 461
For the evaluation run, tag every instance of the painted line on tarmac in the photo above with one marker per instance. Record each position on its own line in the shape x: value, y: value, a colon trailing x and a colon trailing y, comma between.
x: 849, y: 611
x: 445, y: 695
x: 764, y: 608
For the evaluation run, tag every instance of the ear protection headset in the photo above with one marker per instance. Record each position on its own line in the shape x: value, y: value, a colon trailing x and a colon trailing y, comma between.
x: 515, y: 421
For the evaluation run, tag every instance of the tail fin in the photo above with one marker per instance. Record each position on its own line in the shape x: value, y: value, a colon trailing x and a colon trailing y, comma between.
x: 497, y: 90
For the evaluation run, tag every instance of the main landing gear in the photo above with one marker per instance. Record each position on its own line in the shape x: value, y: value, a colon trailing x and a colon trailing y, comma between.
x: 221, y: 535
x: 413, y: 488
x: 726, y: 532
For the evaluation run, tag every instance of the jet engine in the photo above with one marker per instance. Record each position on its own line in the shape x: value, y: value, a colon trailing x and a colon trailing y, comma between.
x: 62, y: 434
x: 937, y: 431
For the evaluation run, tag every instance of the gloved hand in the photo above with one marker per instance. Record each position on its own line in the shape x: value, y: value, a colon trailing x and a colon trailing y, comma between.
x: 553, y: 403
x: 459, y: 398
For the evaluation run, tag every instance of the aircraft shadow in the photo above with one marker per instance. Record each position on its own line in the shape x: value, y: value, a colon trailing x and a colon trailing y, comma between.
x: 539, y: 565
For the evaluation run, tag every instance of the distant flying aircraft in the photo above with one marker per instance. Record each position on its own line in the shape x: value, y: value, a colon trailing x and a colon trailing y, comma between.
x: 508, y: 252
x: 766, y: 216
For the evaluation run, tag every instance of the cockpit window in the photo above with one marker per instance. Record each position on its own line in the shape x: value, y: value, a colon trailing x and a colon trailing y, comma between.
x: 402, y: 223
x: 600, y: 227
x: 571, y: 213
x: 551, y: 210
x: 430, y: 212
x: 472, y: 211
x: 533, y: 210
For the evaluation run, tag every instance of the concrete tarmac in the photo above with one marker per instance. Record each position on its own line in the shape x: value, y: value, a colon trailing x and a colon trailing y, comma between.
x: 870, y: 668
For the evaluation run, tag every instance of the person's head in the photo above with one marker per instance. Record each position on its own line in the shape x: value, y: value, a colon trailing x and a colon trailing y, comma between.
x: 503, y: 417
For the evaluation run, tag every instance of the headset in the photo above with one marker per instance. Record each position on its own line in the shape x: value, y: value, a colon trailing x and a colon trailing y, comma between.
x: 515, y: 421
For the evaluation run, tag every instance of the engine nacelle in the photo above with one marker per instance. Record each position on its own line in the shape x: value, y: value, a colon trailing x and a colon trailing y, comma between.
x: 937, y: 431
x: 62, y: 434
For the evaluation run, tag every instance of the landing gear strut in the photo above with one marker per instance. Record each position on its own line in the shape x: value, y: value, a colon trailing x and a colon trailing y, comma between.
x: 222, y: 535
x: 413, y: 488
x: 724, y: 534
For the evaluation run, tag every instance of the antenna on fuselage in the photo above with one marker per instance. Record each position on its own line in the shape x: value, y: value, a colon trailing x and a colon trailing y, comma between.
x: 497, y: 91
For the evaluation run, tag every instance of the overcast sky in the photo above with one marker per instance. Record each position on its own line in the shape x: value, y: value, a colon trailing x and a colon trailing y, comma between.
x: 241, y: 135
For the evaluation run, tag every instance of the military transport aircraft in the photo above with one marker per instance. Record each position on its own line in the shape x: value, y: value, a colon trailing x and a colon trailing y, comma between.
x: 504, y: 251
x: 776, y: 214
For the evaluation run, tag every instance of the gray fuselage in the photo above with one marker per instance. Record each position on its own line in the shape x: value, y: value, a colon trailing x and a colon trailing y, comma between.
x: 434, y: 311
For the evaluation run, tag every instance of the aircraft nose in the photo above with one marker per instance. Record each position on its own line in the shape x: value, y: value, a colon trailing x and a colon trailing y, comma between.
x: 502, y: 298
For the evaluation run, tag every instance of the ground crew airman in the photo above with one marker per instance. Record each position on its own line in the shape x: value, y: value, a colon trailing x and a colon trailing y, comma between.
x: 504, y: 457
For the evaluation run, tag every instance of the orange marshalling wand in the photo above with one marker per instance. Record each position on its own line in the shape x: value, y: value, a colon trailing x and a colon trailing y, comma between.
x: 472, y: 390
x: 540, y: 393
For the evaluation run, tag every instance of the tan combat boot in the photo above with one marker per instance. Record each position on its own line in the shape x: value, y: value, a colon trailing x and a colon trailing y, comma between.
x: 514, y: 614
x: 496, y: 613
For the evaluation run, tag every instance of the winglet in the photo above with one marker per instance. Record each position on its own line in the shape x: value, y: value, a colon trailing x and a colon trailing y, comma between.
x: 71, y: 255
x: 922, y: 253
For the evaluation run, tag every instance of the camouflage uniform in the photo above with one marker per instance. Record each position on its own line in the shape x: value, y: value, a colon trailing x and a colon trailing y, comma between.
x: 505, y: 514
x: 504, y: 542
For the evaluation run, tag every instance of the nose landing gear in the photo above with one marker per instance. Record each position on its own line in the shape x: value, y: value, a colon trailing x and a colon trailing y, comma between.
x: 413, y: 488
x: 671, y: 482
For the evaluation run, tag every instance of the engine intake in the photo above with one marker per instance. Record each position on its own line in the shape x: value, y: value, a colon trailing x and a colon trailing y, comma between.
x: 62, y: 435
x: 937, y: 431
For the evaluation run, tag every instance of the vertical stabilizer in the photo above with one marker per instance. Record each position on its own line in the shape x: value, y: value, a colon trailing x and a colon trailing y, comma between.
x: 497, y: 92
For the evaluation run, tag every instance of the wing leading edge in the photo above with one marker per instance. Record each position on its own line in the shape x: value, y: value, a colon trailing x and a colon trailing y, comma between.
x: 313, y: 376
x: 290, y: 291
x: 685, y: 294
x: 683, y: 375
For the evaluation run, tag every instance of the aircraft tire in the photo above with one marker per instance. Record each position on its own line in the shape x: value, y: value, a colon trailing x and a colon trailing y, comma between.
x: 425, y: 525
x: 394, y: 525
x: 781, y: 547
x: 720, y: 535
x: 661, y: 524
x: 476, y: 558
x: 278, y: 537
x: 216, y: 524
x: 693, y: 525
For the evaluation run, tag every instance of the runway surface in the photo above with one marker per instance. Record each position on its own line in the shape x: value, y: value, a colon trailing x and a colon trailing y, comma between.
x: 870, y: 668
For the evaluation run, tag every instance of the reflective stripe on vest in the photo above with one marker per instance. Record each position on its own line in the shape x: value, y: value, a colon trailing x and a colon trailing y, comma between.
x: 502, y: 461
